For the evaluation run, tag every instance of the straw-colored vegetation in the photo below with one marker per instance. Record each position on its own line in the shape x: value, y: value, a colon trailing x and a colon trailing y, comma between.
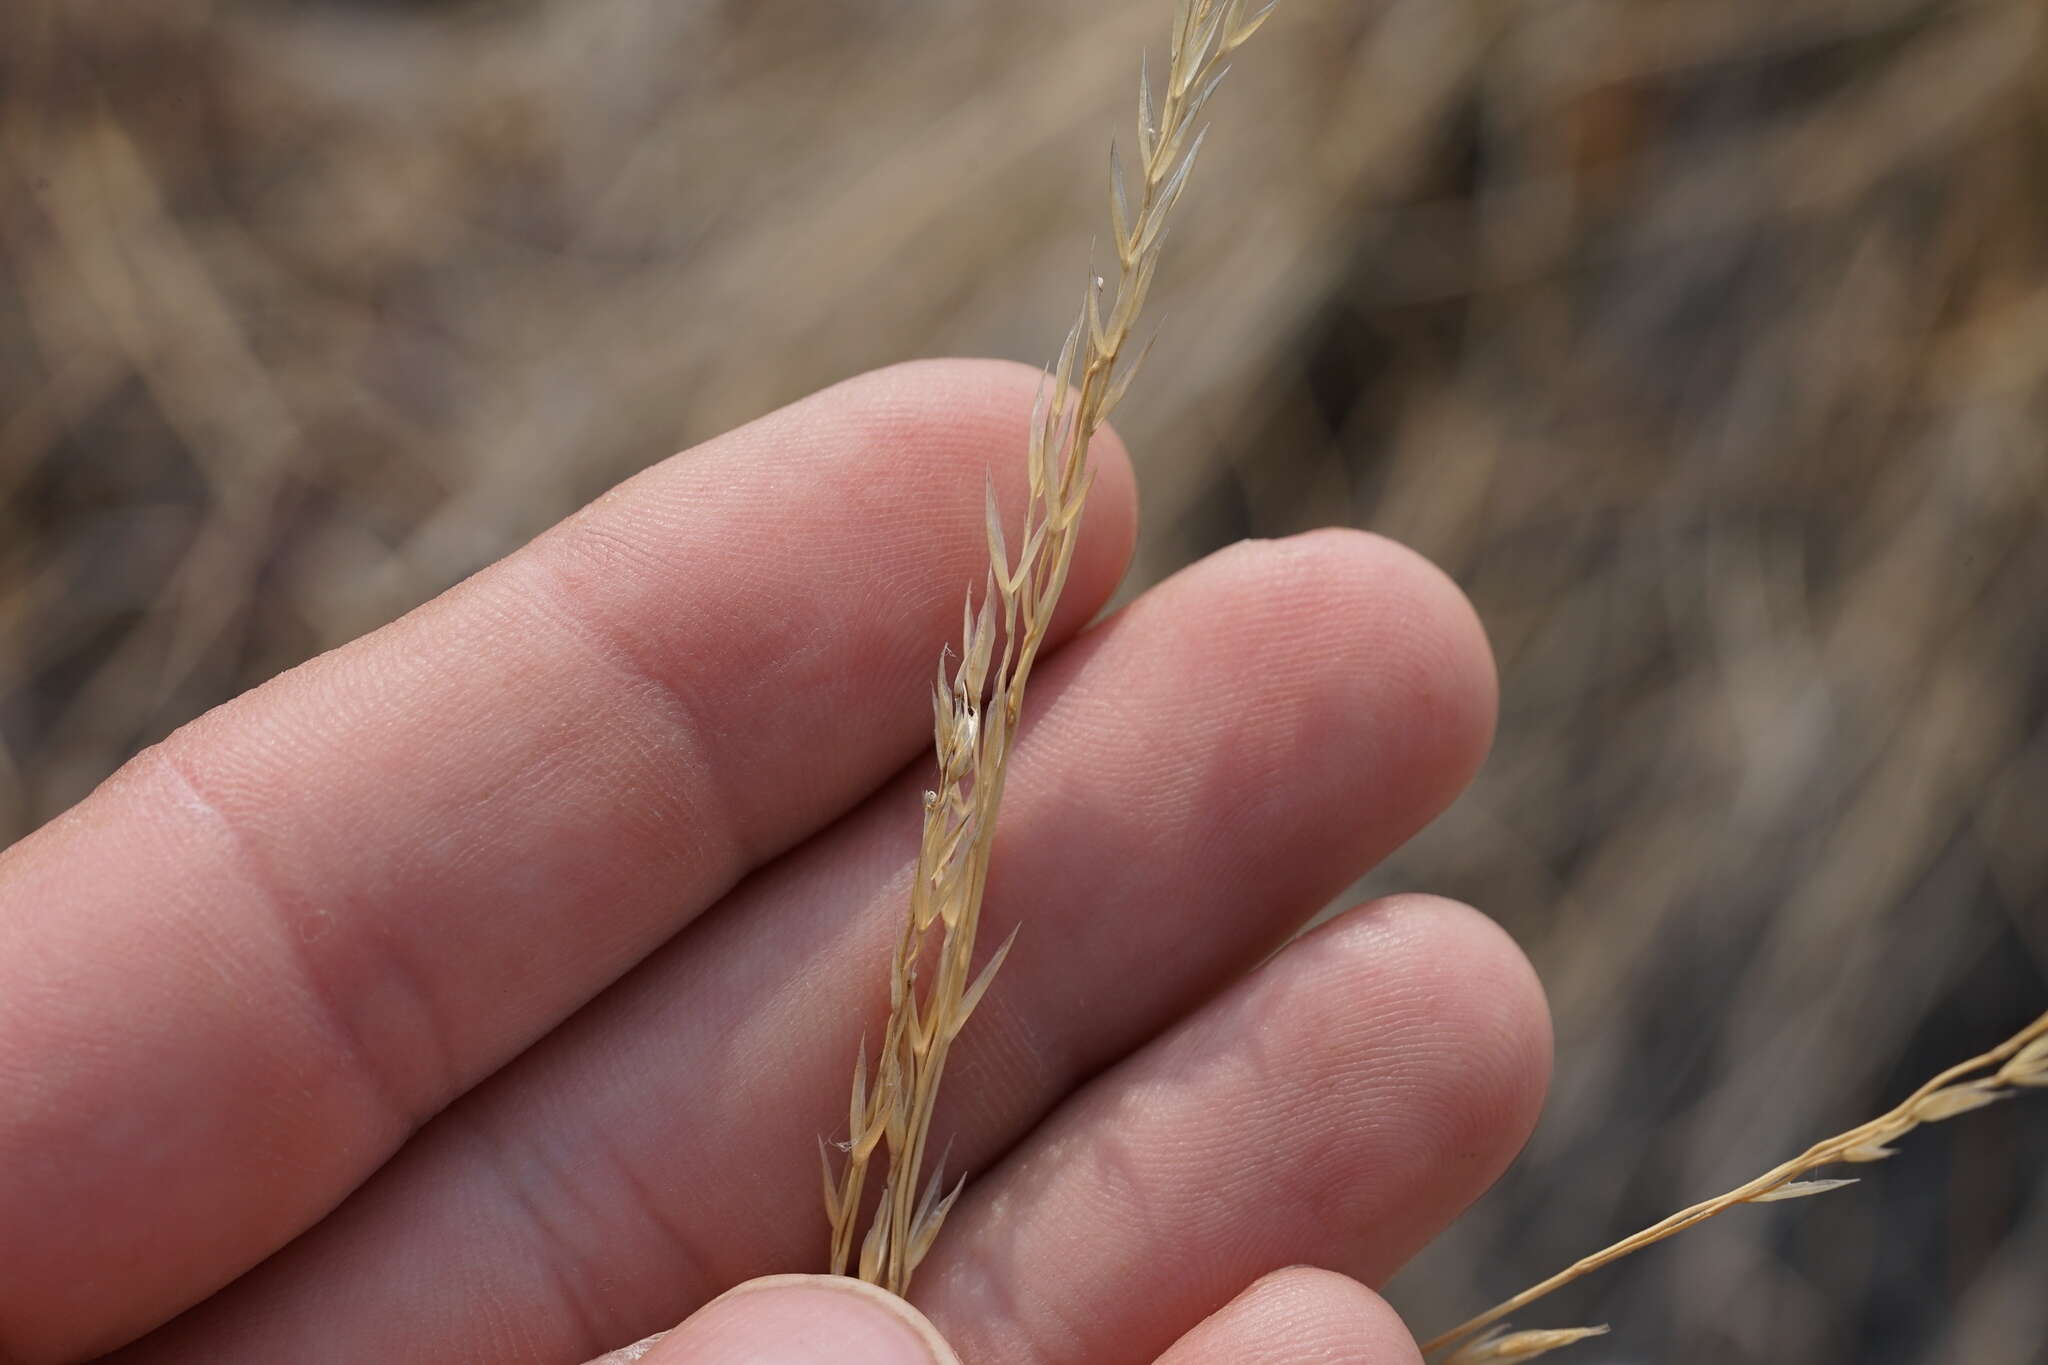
x: 1705, y: 346
x: 2020, y: 1062
x: 975, y: 711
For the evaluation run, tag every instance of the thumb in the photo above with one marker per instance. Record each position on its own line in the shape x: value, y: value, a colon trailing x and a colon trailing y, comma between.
x: 797, y: 1320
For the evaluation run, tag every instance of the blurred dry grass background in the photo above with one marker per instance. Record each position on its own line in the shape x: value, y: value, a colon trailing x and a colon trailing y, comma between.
x: 1704, y: 341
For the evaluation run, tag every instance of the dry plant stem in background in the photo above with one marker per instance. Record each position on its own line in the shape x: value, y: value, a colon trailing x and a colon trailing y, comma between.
x: 976, y: 709
x: 2021, y: 1061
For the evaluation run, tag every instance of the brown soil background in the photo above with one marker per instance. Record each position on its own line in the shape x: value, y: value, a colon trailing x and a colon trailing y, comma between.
x: 1704, y: 341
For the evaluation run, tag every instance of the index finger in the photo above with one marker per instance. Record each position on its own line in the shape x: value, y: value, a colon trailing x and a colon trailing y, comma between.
x: 235, y: 978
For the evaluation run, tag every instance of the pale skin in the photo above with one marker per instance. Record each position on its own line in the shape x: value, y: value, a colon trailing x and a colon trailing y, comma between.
x: 477, y: 992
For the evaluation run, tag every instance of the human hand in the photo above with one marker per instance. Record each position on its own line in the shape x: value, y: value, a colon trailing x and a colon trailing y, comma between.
x: 477, y: 992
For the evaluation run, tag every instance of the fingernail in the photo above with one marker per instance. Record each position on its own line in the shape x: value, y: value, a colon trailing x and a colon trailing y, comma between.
x: 801, y: 1320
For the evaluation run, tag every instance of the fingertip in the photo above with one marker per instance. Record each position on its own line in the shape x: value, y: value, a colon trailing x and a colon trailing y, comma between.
x: 1296, y: 1314
x: 1386, y: 662
x: 797, y: 1320
x: 1482, y: 1082
x: 1429, y: 642
x: 981, y: 409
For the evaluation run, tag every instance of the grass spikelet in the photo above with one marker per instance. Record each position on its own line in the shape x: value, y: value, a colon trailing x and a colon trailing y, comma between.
x: 2020, y: 1062
x: 976, y: 707
x: 1501, y: 1344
